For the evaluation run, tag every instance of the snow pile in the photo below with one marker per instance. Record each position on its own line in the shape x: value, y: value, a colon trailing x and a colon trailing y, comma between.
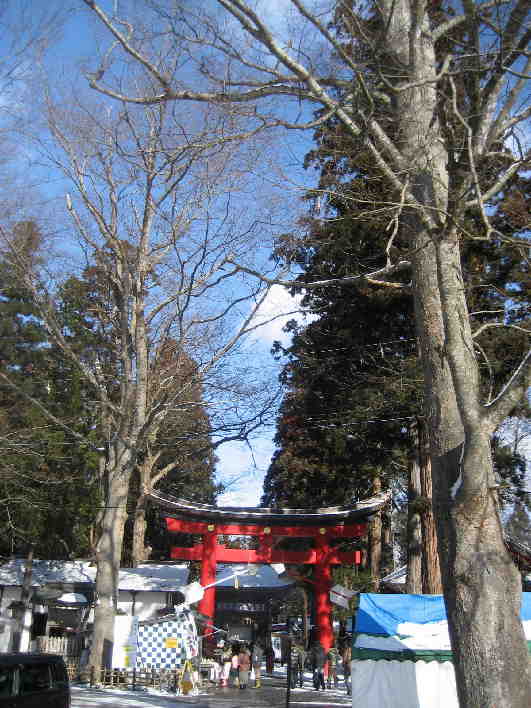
x: 425, y: 636
x: 410, y: 636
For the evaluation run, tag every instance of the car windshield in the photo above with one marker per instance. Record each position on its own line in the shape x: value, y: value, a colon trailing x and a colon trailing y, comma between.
x: 35, y: 678
x: 7, y: 677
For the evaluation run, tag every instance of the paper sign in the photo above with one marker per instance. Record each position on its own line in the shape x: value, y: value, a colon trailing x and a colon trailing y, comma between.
x: 193, y: 593
x: 340, y: 595
x: 339, y: 600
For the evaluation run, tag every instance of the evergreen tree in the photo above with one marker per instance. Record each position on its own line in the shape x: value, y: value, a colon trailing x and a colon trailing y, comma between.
x: 177, y: 457
x: 518, y: 524
x: 354, y: 386
x: 47, y: 493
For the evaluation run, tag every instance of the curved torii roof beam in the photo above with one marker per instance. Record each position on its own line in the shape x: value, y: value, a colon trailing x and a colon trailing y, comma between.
x: 184, y: 509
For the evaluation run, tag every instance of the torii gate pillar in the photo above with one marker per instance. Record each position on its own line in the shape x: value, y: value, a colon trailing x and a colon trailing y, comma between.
x: 322, y: 556
x: 323, y: 583
x: 207, y: 605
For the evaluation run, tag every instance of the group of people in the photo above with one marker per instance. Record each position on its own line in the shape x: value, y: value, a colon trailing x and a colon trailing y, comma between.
x: 331, y: 663
x: 237, y: 662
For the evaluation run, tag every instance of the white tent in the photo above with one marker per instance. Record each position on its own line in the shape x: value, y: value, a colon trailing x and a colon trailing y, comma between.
x: 401, y: 654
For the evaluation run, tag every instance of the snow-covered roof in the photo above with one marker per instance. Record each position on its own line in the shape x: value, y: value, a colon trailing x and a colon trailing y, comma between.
x: 148, y: 577
x: 518, y: 548
x: 47, y: 571
x: 266, y: 576
x: 151, y: 576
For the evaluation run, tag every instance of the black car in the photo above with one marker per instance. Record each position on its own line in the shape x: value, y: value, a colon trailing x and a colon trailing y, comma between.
x: 33, y: 681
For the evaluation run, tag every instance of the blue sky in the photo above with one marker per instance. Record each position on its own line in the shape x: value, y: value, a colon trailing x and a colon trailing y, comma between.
x: 241, y: 466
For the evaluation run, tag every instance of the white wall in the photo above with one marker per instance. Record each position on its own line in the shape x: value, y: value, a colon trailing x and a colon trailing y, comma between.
x: 146, y: 605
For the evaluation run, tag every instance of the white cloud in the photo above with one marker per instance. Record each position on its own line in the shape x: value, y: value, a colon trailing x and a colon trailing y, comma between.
x: 243, y: 469
x: 279, y: 304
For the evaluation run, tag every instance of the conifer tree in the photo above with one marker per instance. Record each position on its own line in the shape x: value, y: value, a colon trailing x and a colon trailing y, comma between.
x: 354, y: 387
x: 48, y: 496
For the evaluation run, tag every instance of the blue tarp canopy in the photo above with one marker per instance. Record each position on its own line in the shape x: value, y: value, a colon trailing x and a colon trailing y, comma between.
x: 382, y: 614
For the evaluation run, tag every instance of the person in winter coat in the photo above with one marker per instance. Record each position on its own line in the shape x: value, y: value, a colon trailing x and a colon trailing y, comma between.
x: 347, y: 666
x: 257, y: 655
x: 317, y: 662
x: 234, y: 668
x: 226, y: 662
x: 269, y: 658
x: 244, y: 666
x: 333, y: 661
x: 298, y: 658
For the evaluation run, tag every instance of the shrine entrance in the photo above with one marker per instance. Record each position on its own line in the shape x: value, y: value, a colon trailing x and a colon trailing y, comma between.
x: 270, y: 527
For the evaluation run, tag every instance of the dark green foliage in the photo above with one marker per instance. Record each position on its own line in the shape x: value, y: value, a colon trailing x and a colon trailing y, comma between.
x: 186, y: 443
x: 351, y: 376
x: 47, y: 489
x: 518, y: 524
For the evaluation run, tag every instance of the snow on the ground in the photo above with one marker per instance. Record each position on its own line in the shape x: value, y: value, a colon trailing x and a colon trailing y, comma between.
x: 113, y: 698
x: 109, y: 698
x: 85, y: 697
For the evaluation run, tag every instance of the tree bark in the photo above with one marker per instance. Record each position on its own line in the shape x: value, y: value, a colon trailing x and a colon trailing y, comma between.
x: 108, y: 557
x: 414, y: 528
x: 431, y: 568
x: 387, y: 542
x: 23, y: 604
x: 481, y: 585
x: 139, y: 551
x: 375, y: 540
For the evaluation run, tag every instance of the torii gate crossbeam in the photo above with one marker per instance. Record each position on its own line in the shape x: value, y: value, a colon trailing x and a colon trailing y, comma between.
x: 323, y: 556
x: 270, y: 526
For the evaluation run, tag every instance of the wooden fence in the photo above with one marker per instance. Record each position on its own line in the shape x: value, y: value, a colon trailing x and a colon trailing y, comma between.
x: 68, y: 647
x: 132, y: 679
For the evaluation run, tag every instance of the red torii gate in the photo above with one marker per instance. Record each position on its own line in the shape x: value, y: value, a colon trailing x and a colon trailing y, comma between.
x: 210, y: 522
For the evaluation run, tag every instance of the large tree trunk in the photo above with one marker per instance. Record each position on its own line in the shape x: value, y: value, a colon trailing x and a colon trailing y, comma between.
x: 108, y: 557
x: 387, y: 541
x: 140, y: 553
x: 481, y: 585
x: 431, y: 568
x: 375, y: 540
x: 414, y: 529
